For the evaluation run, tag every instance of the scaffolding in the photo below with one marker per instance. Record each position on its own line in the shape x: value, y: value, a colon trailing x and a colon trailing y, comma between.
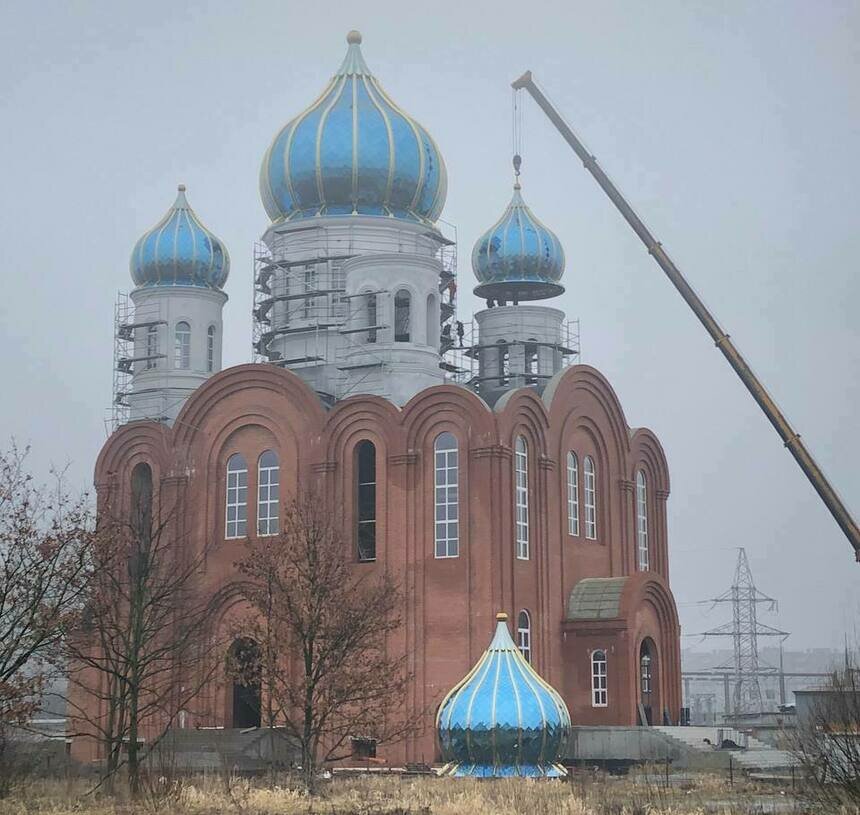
x: 463, y: 355
x: 299, y: 293
x: 133, y: 355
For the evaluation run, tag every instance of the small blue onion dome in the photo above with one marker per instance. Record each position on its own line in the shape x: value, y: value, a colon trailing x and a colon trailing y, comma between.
x: 179, y: 251
x: 518, y: 258
x: 353, y: 152
x: 502, y: 719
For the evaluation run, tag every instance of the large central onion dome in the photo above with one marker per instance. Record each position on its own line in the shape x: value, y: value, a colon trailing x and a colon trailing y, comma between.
x: 518, y: 258
x: 179, y: 251
x: 502, y: 718
x: 353, y: 152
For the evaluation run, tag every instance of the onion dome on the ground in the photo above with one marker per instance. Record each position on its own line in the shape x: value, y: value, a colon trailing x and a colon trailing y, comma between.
x: 179, y: 251
x: 353, y: 152
x: 502, y: 719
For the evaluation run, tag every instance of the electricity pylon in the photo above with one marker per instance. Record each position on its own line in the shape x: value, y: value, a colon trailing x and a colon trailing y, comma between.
x: 745, y: 629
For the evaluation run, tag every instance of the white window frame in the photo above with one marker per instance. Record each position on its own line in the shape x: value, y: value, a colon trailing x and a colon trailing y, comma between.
x: 572, y: 494
x: 446, y: 472
x: 590, y: 477
x: 210, y: 348
x: 521, y: 498
x: 524, y: 635
x: 643, y: 559
x: 268, y: 489
x: 236, y: 498
x: 599, y: 678
x: 646, y: 673
x: 182, y: 346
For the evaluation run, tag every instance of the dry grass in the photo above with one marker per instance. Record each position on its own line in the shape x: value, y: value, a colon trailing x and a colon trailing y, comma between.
x: 640, y: 794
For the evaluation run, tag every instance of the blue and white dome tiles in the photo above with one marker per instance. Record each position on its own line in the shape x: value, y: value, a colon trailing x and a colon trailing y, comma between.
x: 502, y: 719
x: 518, y: 258
x: 179, y: 251
x: 353, y: 152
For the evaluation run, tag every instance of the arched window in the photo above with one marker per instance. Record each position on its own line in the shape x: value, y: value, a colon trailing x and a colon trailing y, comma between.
x: 237, y: 497
x: 642, y: 520
x: 524, y: 634
x: 141, y: 503
x: 245, y: 669
x: 572, y: 494
x: 447, y: 487
x: 521, y: 472
x: 646, y: 680
x: 151, y: 347
x: 210, y: 349
x: 372, y: 317
x: 365, y: 500
x: 402, y: 307
x: 599, y: 694
x: 432, y: 326
x: 590, y: 499
x: 268, y: 483
x: 182, y: 346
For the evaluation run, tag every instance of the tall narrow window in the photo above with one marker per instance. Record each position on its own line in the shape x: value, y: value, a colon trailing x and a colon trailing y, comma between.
x: 372, y: 317
x: 210, y: 349
x: 524, y: 635
x: 151, y: 347
x: 531, y: 354
x: 504, y: 362
x: 141, y: 505
x: 237, y: 497
x: 572, y: 494
x: 645, y: 672
x: 432, y: 326
x: 365, y: 467
x: 447, y: 496
x: 310, y: 285
x: 599, y: 695
x: 182, y: 346
x: 521, y: 472
x: 268, y: 483
x: 402, y: 307
x: 590, y: 499
x: 642, y: 520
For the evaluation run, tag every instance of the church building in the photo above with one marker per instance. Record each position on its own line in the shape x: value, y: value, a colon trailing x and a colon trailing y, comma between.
x: 473, y: 460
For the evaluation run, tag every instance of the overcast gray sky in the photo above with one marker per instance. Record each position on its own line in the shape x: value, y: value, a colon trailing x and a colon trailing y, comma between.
x: 732, y: 127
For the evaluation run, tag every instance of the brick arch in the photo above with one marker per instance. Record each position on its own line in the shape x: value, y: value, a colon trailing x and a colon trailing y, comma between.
x: 647, y: 453
x: 523, y: 410
x: 451, y: 405
x: 362, y: 414
x: 148, y: 441
x: 273, y: 385
x: 649, y: 591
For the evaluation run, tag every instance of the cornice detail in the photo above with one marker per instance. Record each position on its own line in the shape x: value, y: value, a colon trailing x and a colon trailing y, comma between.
x: 493, y: 451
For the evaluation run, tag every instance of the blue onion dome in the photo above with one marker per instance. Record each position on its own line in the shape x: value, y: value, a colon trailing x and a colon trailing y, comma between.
x: 502, y: 719
x: 518, y: 258
x: 353, y: 152
x: 179, y: 251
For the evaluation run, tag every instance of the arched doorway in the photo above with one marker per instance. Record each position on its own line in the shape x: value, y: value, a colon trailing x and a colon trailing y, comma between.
x: 649, y: 697
x: 245, y: 670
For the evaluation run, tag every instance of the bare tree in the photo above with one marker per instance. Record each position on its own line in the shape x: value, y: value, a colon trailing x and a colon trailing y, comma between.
x: 321, y: 623
x: 45, y: 563
x: 143, y: 651
x: 827, y: 738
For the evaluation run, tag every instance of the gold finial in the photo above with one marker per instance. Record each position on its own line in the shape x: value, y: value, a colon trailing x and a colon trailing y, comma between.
x: 354, y: 37
x: 502, y: 617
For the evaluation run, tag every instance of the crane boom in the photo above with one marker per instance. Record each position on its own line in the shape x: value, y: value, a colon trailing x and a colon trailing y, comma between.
x: 786, y: 432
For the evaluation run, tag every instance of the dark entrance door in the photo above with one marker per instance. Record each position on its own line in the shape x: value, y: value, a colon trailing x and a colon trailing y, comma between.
x: 245, y: 668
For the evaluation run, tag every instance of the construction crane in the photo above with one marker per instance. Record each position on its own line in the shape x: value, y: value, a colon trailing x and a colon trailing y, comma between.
x: 790, y: 438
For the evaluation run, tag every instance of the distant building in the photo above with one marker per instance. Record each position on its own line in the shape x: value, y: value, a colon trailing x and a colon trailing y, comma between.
x: 479, y: 468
